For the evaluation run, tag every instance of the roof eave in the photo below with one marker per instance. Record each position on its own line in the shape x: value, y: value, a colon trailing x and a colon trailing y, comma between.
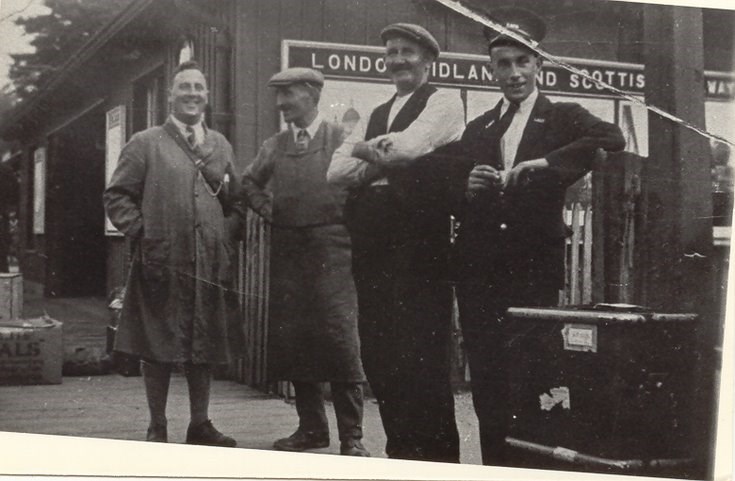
x: 18, y: 115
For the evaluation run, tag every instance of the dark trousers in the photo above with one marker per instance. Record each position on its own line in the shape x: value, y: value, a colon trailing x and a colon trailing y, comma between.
x: 404, y: 332
x: 484, y: 330
x: 405, y: 324
x: 348, y: 407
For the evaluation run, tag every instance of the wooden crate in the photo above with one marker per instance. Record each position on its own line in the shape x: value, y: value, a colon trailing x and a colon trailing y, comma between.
x: 11, y: 297
x: 31, y: 351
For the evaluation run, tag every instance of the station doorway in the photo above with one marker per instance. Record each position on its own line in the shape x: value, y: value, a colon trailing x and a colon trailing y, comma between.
x: 75, y: 242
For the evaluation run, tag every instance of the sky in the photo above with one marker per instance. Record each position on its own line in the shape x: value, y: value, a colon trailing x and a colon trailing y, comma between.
x: 12, y: 36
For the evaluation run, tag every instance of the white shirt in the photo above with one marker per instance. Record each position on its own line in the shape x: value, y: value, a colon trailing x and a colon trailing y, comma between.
x: 198, y: 130
x: 512, y: 137
x: 396, y: 107
x: 441, y: 122
x: 311, y: 129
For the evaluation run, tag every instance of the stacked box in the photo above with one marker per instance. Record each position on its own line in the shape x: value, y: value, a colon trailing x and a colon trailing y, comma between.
x: 31, y: 351
x: 11, y: 297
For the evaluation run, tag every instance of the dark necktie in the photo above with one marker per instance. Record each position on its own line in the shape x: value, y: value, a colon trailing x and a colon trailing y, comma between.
x: 191, y: 136
x: 302, y: 140
x: 500, y: 128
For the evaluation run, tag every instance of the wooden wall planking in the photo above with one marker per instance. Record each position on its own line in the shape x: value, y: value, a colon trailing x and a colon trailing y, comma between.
x: 312, y: 16
x: 268, y: 62
x: 334, y: 18
x: 292, y: 18
x: 245, y: 91
x: 433, y: 17
x: 344, y: 21
x: 376, y: 17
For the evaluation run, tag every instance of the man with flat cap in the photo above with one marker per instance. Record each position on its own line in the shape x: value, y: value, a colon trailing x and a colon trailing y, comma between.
x: 527, y: 152
x: 312, y: 332
x: 397, y: 169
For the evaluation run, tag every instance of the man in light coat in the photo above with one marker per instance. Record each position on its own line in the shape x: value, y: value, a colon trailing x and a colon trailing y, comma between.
x: 168, y: 195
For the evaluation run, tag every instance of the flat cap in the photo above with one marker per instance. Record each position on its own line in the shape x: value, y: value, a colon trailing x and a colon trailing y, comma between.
x: 296, y: 75
x: 518, y: 20
x: 414, y: 32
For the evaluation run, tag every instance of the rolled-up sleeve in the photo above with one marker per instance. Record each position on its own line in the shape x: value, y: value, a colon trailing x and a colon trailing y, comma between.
x: 123, y: 196
x: 344, y: 169
x: 441, y: 122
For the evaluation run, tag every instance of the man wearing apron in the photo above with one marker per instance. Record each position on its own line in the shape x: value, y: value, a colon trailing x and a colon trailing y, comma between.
x: 312, y: 333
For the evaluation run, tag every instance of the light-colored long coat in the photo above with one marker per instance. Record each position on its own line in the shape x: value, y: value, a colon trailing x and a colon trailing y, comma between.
x: 174, y: 308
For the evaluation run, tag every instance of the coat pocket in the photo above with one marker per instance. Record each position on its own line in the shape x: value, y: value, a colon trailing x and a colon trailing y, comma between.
x: 155, y: 269
x: 154, y: 255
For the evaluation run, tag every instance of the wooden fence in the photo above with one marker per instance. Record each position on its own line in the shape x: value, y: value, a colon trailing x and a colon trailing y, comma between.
x: 578, y: 256
x: 253, y: 286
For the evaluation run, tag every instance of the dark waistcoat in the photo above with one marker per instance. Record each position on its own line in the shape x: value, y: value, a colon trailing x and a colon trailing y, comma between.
x: 413, y: 210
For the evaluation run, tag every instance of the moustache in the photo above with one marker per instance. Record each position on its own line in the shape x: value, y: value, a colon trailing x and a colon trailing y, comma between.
x: 399, y: 67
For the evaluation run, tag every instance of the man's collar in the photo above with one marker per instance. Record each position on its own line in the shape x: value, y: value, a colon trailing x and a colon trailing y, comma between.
x: 525, y: 103
x: 409, y: 94
x: 182, y: 126
x: 312, y: 128
x: 424, y: 84
x: 405, y: 96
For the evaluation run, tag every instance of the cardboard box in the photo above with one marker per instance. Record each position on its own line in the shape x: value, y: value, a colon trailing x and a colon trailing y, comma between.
x: 11, y: 297
x: 31, y: 351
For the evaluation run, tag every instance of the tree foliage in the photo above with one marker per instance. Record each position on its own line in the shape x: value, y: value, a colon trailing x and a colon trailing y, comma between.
x: 56, y: 37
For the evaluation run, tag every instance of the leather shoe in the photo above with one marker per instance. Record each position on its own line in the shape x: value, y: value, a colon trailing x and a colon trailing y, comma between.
x: 206, y: 435
x: 302, y: 440
x: 157, y: 434
x: 353, y: 447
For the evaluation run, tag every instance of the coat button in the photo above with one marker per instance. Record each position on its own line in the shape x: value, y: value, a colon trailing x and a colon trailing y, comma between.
x: 503, y: 226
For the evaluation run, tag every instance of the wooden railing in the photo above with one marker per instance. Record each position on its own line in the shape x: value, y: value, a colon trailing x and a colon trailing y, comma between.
x: 578, y: 258
x: 253, y: 288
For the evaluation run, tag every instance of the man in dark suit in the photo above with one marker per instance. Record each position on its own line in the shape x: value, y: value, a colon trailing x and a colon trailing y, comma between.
x: 510, y: 246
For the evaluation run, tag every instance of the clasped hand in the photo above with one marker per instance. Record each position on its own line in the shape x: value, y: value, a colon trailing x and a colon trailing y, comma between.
x: 484, y: 178
x: 379, y: 151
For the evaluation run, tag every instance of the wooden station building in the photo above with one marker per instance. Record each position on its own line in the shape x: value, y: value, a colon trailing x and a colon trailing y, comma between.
x: 73, y: 129
x: 651, y: 229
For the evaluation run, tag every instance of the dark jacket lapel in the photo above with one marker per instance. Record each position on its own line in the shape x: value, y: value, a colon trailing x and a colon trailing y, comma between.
x: 485, y: 135
x: 532, y: 142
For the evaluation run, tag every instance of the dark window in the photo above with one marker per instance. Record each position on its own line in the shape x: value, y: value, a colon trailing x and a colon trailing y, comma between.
x: 149, y: 101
